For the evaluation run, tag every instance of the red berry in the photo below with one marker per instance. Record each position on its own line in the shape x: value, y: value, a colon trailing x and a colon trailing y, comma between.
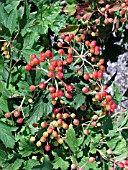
x: 32, y: 87
x: 56, y: 110
x: 28, y: 67
x: 70, y: 60
x: 50, y: 74
x: 69, y: 88
x: 53, y: 95
x: 54, y: 62
x: 48, y: 54
x: 59, y: 62
x: 63, y: 36
x: 68, y: 95
x: 51, y: 67
x: 71, y: 36
x: 59, y: 69
x: 95, y: 117
x: 86, y: 131
x: 61, y: 52
x: 91, y: 159
x: 103, y: 93
x: 104, y: 103
x: 47, y: 147
x: 43, y: 124
x: 82, y: 36
x: 7, y: 115
x: 95, y: 74
x: 93, y: 124
x: 76, y: 122
x: 36, y: 61
x: 108, y: 97
x: 51, y: 89
x: 32, y: 56
x: 73, y: 166
x: 100, y: 74
x: 16, y: 113
x: 60, y: 44
x: 42, y: 57
x: 19, y: 120
x: 67, y: 38
x: 86, y: 76
x: 85, y: 89
x: 43, y: 139
x: 120, y: 165
x: 42, y: 85
x: 60, y: 75
x: 59, y: 93
x: 105, y: 87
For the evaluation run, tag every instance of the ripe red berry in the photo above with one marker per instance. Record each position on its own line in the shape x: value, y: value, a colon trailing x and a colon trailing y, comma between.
x: 28, y: 67
x: 54, y: 62
x: 50, y: 74
x: 42, y: 85
x: 60, y: 44
x: 36, y: 61
x: 68, y: 95
x: 16, y: 113
x: 67, y: 38
x: 19, y: 120
x: 51, y: 67
x: 86, y: 76
x: 61, y: 52
x: 48, y: 54
x: 93, y: 124
x: 47, y: 147
x: 91, y: 159
x: 60, y: 75
x: 76, y: 122
x: 69, y: 88
x: 51, y: 89
x: 7, y: 115
x: 59, y: 93
x: 108, y: 97
x: 32, y: 87
x: 71, y: 36
x: 63, y: 36
x: 56, y: 110
x: 120, y: 165
x: 85, y: 89
x: 60, y: 63
x: 32, y: 56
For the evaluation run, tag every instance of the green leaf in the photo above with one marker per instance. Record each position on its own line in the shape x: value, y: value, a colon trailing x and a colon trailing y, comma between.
x: 6, y: 136
x: 59, y: 162
x: 3, y: 156
x: 3, y: 104
x: 78, y: 100
x: 121, y: 157
x: 15, y: 165
x: 3, y: 15
x: 27, y: 147
x: 40, y: 107
x: 70, y: 9
x: 120, y: 147
x: 29, y: 164
x: 70, y: 29
x: 11, y: 22
x: 113, y: 142
x: 71, y: 140
x: 107, y: 124
x: 117, y: 95
x: 45, y: 166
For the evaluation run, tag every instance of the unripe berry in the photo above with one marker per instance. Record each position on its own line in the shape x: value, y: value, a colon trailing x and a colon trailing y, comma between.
x: 38, y: 144
x: 43, y: 124
x: 32, y: 139
x: 86, y: 131
x: 73, y: 166
x: 76, y: 122
x: 109, y: 151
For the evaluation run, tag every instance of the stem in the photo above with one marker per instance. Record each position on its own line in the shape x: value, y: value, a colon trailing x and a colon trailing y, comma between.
x: 121, y: 129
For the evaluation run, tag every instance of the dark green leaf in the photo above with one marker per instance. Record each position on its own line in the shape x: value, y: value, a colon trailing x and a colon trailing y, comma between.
x: 11, y: 22
x: 15, y: 165
x: 3, y: 156
x: 29, y: 164
x: 6, y: 136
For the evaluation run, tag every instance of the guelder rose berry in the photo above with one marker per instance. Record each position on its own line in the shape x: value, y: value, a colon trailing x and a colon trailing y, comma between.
x: 91, y: 159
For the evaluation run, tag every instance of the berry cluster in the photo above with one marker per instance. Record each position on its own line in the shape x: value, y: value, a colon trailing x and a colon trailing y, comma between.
x: 16, y: 114
x: 5, y: 50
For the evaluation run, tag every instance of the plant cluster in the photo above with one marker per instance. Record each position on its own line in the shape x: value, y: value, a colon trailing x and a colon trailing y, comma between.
x: 56, y: 111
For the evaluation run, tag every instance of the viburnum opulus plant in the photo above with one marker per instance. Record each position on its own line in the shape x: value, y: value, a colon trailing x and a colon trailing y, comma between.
x: 72, y: 81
